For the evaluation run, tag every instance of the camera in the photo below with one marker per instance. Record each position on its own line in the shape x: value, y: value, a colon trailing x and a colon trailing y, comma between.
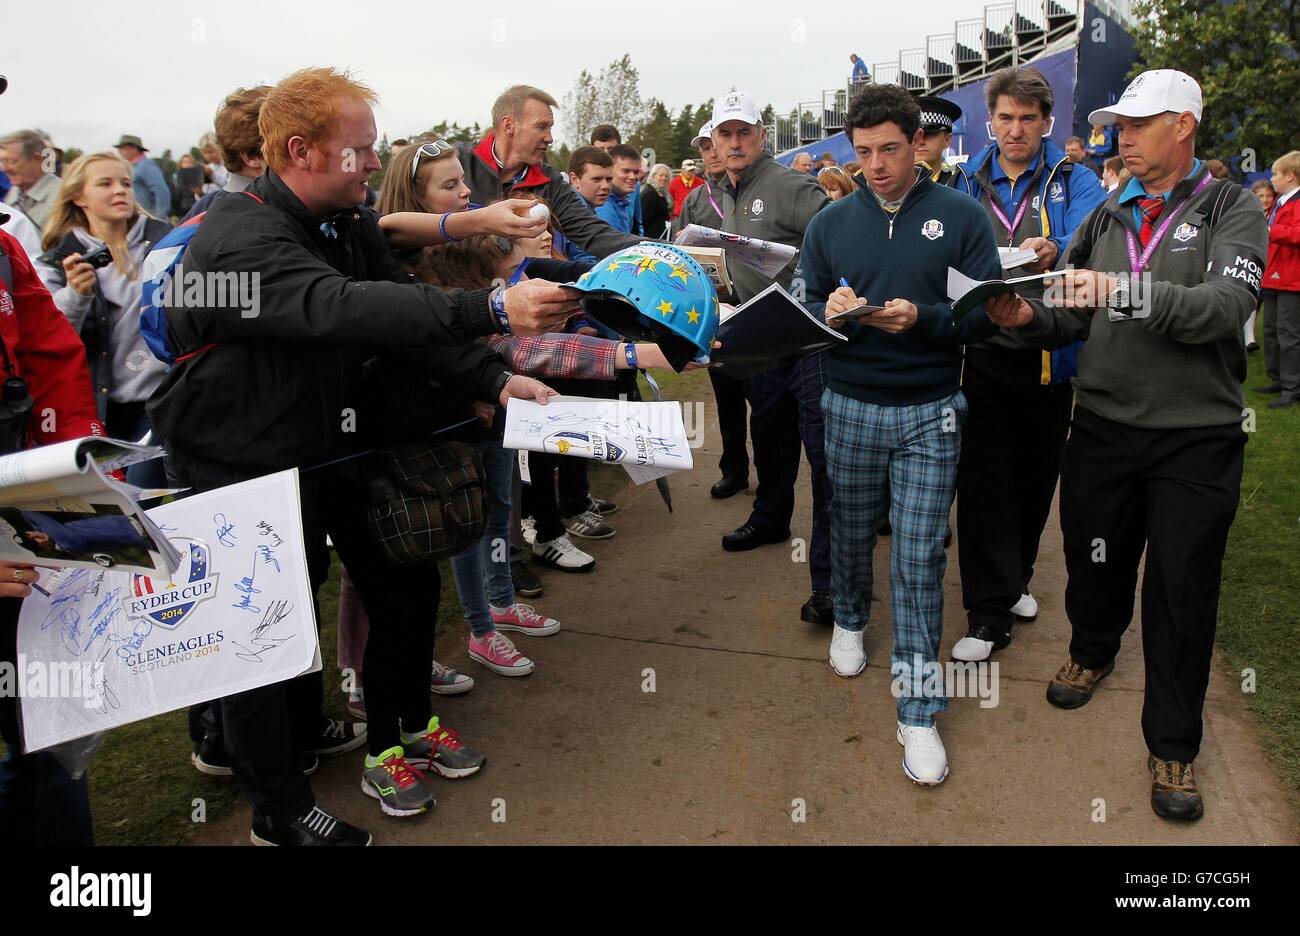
x: 98, y: 258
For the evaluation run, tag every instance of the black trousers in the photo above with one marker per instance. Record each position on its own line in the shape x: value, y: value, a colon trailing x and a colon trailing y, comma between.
x: 1173, y: 492
x: 787, y: 413
x: 40, y: 802
x: 1010, y: 460
x: 264, y: 729
x: 730, y: 396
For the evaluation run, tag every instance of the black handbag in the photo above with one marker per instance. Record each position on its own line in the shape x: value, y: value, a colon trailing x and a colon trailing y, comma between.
x: 426, y: 501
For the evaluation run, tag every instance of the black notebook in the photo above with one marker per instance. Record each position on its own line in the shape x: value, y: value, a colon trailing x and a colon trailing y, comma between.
x: 768, y: 329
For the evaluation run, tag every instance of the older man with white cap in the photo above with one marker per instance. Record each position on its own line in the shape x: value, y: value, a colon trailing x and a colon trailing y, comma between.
x: 766, y: 200
x: 1166, y: 273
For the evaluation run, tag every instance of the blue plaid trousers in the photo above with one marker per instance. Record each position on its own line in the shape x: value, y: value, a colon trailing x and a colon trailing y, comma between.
x: 914, y: 451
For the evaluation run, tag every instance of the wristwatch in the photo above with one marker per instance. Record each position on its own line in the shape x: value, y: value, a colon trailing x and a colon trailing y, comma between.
x: 629, y: 352
x: 500, y: 384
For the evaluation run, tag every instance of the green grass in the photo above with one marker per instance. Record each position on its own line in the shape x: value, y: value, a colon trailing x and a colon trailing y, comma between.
x: 1259, y: 608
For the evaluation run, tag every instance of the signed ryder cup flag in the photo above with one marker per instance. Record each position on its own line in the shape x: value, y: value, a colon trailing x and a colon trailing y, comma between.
x: 105, y: 648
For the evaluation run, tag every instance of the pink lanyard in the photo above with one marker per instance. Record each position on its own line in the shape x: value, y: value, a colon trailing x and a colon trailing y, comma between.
x: 1139, y: 263
x: 995, y: 204
x: 709, y: 190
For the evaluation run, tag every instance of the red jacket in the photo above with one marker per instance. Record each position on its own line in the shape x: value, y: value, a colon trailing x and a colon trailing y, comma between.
x: 1283, y: 268
x: 42, y: 347
x: 678, y: 189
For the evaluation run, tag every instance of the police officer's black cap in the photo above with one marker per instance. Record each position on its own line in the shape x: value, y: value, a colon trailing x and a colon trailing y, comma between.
x: 938, y: 114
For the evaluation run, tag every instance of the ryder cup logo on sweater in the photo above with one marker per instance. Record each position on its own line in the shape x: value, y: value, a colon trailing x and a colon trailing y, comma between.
x: 1185, y: 232
x: 757, y: 207
x: 932, y: 229
x: 169, y: 603
x: 1056, y: 192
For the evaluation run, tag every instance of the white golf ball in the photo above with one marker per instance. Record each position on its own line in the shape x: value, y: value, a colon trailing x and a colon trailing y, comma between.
x: 539, y: 213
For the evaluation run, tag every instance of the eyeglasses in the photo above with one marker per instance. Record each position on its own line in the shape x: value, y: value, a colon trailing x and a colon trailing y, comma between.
x: 435, y: 150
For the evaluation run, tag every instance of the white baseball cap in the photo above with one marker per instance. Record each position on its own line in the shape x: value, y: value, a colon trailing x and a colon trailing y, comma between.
x: 1160, y: 91
x: 737, y: 105
x: 706, y: 133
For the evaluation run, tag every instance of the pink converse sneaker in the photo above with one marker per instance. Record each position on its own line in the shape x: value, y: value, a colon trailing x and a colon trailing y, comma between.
x: 524, y: 619
x: 497, y: 653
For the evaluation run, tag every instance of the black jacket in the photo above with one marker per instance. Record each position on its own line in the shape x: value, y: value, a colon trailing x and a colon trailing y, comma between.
x: 97, y: 329
x: 281, y: 385
x: 656, y: 212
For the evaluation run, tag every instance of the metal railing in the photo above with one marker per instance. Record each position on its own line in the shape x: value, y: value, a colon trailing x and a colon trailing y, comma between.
x: 1008, y: 33
x: 940, y: 62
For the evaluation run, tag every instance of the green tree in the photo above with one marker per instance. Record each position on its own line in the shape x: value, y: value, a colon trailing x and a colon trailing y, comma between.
x: 1244, y: 56
x: 612, y: 97
x: 655, y: 134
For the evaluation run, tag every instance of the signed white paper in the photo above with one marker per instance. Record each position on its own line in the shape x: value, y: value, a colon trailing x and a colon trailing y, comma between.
x: 237, y: 614
x: 648, y: 439
x: 768, y: 257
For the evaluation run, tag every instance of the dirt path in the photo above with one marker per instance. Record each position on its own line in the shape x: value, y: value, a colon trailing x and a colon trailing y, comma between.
x: 747, y: 717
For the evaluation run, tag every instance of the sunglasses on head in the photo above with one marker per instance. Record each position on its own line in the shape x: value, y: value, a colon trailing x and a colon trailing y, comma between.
x: 435, y: 150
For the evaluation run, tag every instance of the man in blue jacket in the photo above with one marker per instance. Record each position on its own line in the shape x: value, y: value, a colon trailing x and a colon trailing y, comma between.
x: 893, y: 407
x: 1020, y: 397
x: 622, y: 210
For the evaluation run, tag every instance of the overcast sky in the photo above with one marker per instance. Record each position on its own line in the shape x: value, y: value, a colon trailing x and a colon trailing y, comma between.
x: 86, y: 72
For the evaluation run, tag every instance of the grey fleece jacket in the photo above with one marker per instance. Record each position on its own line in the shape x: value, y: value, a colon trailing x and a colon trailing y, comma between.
x: 1183, y: 365
x: 772, y: 203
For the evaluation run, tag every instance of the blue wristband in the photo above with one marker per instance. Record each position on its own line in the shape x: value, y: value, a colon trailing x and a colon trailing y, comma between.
x: 497, y: 302
x: 442, y: 229
x: 629, y: 352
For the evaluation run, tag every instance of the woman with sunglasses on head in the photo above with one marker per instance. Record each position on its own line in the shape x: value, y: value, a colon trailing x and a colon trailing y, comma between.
x: 836, y: 182
x: 424, y: 202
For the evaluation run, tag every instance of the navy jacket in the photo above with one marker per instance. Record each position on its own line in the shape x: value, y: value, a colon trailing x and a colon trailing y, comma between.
x: 935, y: 228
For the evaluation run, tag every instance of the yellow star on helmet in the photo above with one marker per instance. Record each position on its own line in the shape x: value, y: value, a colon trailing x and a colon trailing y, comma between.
x: 693, y: 316
x: 665, y: 308
x: 613, y: 266
x: 681, y: 273
x: 646, y: 264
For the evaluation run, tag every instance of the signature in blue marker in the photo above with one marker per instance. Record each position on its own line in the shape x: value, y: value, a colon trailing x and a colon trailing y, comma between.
x: 246, y: 586
x: 225, y: 531
x: 268, y: 556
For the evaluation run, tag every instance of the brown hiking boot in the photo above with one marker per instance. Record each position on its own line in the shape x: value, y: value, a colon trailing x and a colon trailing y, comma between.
x: 1073, y: 683
x: 1174, y: 794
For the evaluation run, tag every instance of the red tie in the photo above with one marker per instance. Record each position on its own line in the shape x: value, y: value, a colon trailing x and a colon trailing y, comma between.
x: 1151, y: 209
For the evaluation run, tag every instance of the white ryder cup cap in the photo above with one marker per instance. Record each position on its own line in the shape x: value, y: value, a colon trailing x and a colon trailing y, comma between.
x: 736, y: 106
x: 705, y: 134
x: 1154, y: 92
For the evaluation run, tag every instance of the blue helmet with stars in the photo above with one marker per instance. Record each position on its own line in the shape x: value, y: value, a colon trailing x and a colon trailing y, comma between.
x: 654, y: 292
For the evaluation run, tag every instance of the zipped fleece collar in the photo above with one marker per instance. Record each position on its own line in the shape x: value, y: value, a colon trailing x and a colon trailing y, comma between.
x: 1052, y: 158
x: 922, y: 182
x: 533, y: 176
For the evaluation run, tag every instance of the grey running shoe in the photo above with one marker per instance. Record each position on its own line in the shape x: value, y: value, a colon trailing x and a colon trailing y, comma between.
x: 394, y: 781
x: 440, y: 750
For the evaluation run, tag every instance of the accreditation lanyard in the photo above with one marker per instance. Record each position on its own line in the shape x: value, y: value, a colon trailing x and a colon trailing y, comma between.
x: 1020, y: 212
x: 709, y: 191
x: 1139, y: 263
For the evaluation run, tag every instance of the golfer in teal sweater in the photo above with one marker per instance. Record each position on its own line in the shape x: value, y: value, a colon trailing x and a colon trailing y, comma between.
x: 893, y: 406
